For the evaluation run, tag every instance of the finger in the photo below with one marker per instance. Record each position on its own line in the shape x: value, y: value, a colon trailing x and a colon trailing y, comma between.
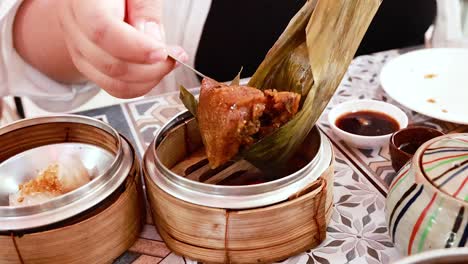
x: 179, y: 53
x: 114, y: 67
x: 146, y: 16
x: 114, y: 87
x: 115, y: 36
x: 141, y: 11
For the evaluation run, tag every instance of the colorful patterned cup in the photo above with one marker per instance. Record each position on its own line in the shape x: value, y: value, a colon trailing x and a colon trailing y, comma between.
x: 427, y: 202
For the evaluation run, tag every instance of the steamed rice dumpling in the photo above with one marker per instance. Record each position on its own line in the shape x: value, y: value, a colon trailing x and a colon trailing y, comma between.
x: 231, y: 117
x: 311, y: 58
x: 58, y: 178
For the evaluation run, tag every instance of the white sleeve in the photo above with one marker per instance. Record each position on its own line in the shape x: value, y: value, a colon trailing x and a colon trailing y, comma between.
x: 20, y: 79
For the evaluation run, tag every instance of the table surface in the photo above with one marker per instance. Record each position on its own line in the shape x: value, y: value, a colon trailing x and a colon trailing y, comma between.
x: 357, y: 232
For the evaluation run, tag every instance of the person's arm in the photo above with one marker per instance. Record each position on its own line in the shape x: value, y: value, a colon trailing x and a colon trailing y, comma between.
x: 117, y: 44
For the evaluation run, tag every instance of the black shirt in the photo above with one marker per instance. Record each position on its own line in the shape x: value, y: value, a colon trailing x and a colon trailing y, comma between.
x: 240, y: 32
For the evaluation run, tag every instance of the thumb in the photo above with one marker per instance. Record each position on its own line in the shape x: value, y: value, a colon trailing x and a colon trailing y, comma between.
x: 146, y: 16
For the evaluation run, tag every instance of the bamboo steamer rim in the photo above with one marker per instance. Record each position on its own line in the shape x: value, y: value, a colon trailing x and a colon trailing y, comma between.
x: 76, y: 201
x: 232, y: 197
x: 65, y: 118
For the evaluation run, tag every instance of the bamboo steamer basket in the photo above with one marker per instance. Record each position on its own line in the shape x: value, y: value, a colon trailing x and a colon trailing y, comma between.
x: 95, y: 223
x: 211, y: 216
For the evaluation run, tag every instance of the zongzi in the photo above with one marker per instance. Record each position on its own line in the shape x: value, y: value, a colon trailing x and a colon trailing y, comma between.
x: 232, y: 116
x: 310, y: 58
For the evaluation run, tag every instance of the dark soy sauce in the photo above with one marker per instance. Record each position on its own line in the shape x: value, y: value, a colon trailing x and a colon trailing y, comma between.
x: 367, y: 123
x: 411, y: 147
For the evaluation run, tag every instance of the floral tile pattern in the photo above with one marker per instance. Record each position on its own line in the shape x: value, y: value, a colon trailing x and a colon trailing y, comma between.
x: 357, y: 232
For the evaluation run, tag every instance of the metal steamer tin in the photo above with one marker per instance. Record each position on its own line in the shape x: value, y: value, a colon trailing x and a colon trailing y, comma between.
x: 157, y: 168
x: 28, y: 146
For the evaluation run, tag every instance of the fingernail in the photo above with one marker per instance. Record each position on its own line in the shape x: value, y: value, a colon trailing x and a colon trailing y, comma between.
x: 155, y: 30
x: 183, y: 58
x: 179, y: 53
x: 157, y: 55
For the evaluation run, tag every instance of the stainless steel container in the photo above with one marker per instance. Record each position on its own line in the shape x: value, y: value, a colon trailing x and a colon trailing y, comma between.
x: 180, y: 134
x: 30, y: 145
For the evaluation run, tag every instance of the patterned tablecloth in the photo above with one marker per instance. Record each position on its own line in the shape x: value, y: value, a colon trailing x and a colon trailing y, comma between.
x: 357, y: 232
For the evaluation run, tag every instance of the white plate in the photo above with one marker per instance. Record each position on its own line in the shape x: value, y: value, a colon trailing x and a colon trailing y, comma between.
x: 443, y: 96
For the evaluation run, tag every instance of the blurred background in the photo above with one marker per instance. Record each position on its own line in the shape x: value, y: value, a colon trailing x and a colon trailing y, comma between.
x: 247, y: 29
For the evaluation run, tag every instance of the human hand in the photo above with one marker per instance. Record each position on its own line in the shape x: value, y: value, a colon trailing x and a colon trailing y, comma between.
x: 125, y: 59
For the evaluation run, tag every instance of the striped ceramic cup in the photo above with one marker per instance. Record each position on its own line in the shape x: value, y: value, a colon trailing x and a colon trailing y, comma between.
x: 427, y: 203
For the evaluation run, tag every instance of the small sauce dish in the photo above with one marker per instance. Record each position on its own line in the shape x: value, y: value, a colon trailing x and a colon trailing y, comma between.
x: 405, y: 142
x: 366, y: 124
